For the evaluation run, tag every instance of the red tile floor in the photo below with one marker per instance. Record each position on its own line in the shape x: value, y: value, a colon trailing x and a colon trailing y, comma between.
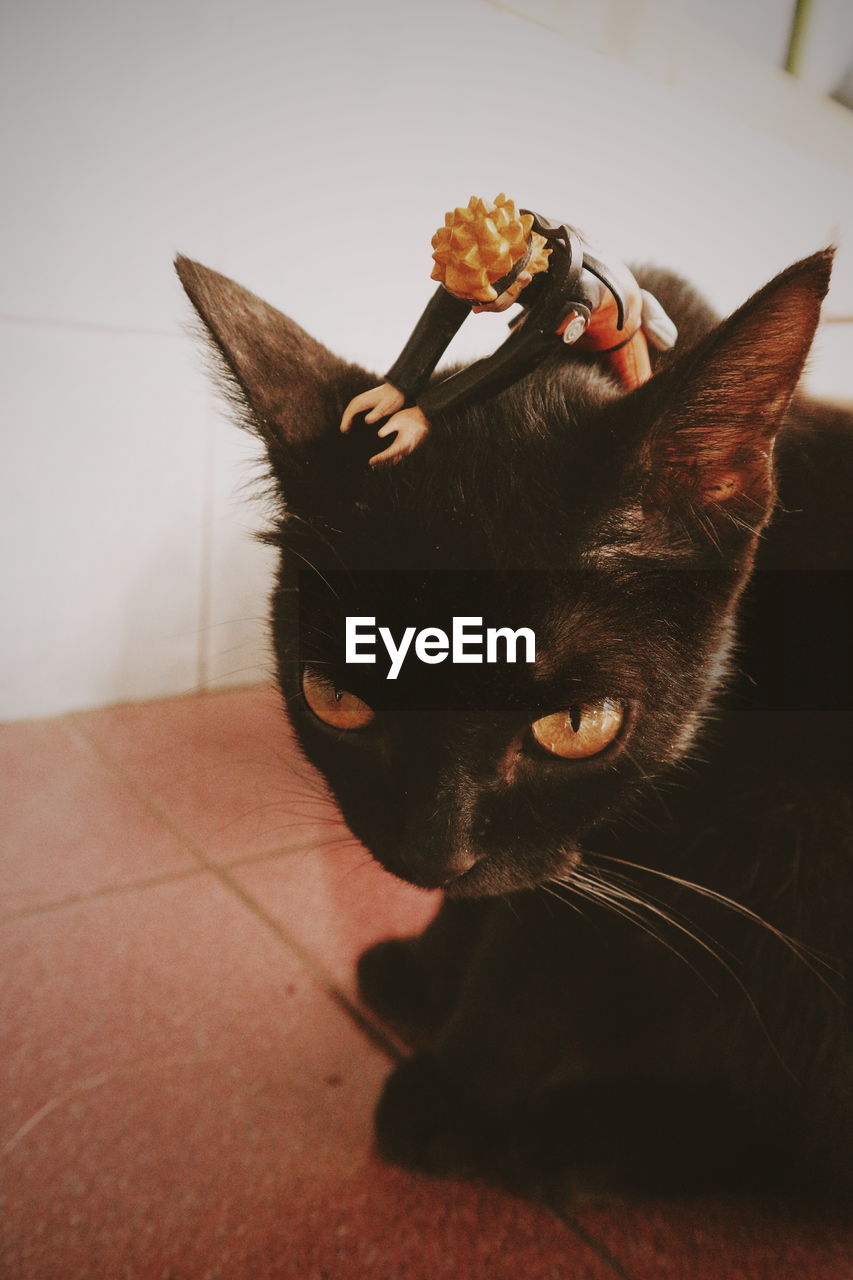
x: 189, y: 1077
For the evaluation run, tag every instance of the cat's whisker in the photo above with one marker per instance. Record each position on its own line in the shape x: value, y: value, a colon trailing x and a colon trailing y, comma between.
x: 285, y: 805
x: 367, y: 861
x: 303, y: 790
x: 293, y: 518
x: 231, y: 621
x: 315, y: 662
x: 285, y: 829
x: 740, y: 984
x: 651, y: 786
x: 631, y: 896
x: 330, y: 846
x: 799, y: 949
x: 743, y: 525
x: 296, y: 823
x: 589, y: 891
x: 596, y: 890
x: 239, y: 647
x: 704, y: 522
x: 553, y: 893
x: 229, y: 676
x: 312, y: 818
x: 285, y: 802
x: 299, y: 792
x: 506, y: 899
x: 293, y: 552
x: 592, y: 891
x: 284, y: 769
x: 623, y: 883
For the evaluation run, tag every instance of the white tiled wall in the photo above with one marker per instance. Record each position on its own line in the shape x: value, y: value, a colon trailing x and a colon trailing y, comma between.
x: 103, y: 443
x: 284, y: 144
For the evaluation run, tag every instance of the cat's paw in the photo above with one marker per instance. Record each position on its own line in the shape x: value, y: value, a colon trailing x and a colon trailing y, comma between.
x: 393, y: 983
x: 422, y: 1124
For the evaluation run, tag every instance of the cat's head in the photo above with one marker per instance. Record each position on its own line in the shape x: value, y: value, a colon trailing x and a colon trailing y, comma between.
x: 619, y: 529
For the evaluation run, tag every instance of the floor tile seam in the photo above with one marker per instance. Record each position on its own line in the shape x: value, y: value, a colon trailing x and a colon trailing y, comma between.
x: 157, y: 811
x: 139, y: 793
x: 106, y: 891
x: 590, y: 1239
x: 221, y: 872
x: 374, y: 1033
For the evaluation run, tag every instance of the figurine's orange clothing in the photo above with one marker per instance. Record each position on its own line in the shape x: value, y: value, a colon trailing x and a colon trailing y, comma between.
x: 626, y: 350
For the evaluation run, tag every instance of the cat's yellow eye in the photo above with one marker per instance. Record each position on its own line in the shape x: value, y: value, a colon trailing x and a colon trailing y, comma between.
x: 334, y: 706
x: 581, y: 731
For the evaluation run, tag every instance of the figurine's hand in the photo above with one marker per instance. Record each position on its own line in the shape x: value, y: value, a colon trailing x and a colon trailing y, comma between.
x: 410, y: 426
x: 381, y: 402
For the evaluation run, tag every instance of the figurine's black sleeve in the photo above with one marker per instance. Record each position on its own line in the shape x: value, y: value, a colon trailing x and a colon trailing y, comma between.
x: 523, y: 350
x: 547, y: 299
x: 430, y: 338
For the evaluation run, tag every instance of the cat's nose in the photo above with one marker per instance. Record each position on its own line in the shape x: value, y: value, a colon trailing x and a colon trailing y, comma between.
x: 461, y: 861
x: 432, y: 869
x: 438, y: 838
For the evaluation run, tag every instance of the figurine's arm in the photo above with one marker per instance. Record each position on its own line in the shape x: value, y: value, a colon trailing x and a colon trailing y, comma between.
x: 547, y: 299
x: 519, y: 355
x: 431, y: 336
x: 410, y: 372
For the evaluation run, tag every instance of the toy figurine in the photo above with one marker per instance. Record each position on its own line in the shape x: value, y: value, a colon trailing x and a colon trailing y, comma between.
x: 488, y: 256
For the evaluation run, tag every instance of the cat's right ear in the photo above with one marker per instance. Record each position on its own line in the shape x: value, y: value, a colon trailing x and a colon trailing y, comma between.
x: 720, y: 404
x: 286, y: 387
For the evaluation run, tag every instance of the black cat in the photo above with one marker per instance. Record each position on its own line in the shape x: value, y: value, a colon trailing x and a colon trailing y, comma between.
x: 644, y: 837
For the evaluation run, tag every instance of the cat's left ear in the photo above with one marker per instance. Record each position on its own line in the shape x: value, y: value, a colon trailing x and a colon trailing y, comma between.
x: 292, y: 389
x: 717, y: 409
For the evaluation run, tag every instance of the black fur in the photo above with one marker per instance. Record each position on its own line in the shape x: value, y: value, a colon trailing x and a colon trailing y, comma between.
x: 584, y: 1002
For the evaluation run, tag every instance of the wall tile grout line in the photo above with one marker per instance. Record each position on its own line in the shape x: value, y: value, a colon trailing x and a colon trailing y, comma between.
x: 374, y: 1032
x: 186, y: 694
x: 90, y: 326
x: 206, y: 560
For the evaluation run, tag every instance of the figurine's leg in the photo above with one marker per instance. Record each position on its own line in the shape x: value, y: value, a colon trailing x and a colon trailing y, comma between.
x: 414, y: 981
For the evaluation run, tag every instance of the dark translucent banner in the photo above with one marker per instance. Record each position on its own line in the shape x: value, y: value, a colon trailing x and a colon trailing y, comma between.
x: 422, y: 640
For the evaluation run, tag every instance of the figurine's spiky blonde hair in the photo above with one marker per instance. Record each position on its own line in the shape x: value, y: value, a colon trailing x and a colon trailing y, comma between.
x: 481, y: 243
